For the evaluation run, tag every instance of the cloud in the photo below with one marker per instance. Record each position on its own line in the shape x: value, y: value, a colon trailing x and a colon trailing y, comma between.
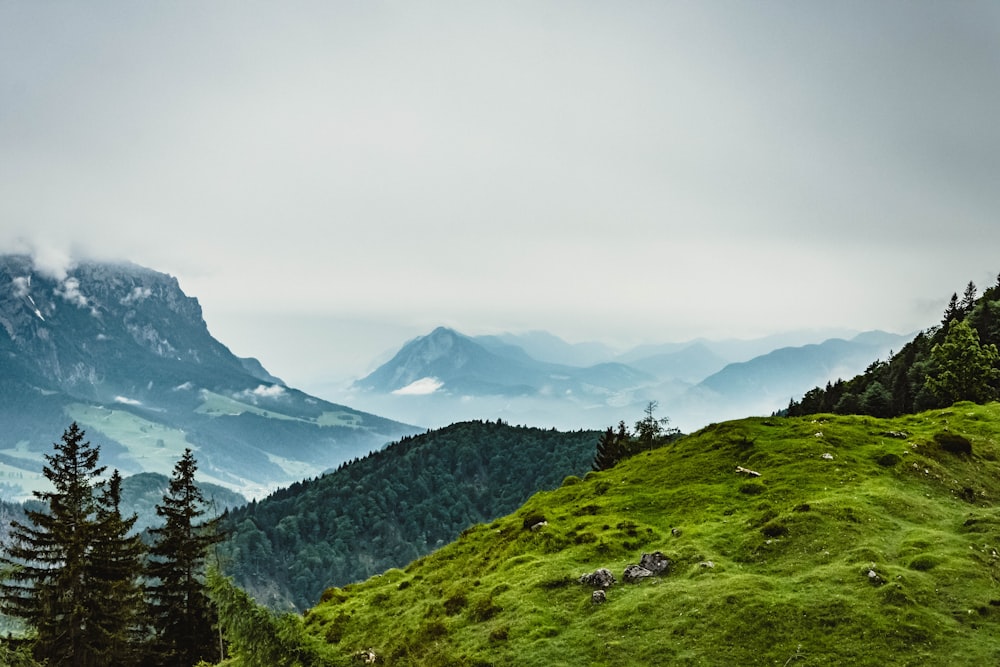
x: 421, y: 387
x: 137, y: 295
x: 265, y: 391
x: 22, y: 285
x: 127, y: 401
x: 69, y: 290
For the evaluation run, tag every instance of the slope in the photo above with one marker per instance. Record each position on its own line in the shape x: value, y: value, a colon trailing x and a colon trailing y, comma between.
x: 863, y: 541
x: 393, y: 506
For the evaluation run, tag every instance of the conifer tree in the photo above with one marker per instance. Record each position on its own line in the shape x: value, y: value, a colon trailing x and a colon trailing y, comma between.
x: 180, y: 611
x: 116, y: 567
x: 609, y: 451
x: 49, y: 582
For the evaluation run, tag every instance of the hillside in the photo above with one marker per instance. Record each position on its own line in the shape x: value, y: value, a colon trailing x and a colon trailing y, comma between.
x: 955, y: 361
x: 393, y: 506
x: 863, y: 541
x: 124, y: 352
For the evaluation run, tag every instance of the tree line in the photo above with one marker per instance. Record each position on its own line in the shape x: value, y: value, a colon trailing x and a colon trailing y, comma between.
x: 650, y: 432
x: 391, y: 507
x: 86, y: 585
x: 955, y: 361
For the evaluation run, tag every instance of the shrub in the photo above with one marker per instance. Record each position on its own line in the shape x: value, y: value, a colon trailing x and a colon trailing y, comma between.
x: 888, y: 460
x: 954, y: 443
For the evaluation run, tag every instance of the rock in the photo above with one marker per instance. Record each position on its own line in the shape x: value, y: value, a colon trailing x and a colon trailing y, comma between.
x: 535, y: 527
x: 874, y: 579
x: 599, y: 596
x: 676, y: 532
x: 600, y: 578
x: 706, y: 564
x: 656, y: 562
x: 828, y: 456
x: 635, y: 573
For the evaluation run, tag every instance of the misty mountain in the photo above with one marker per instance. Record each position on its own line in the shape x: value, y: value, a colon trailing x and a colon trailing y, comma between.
x: 445, y: 377
x: 768, y: 382
x: 454, y: 364
x: 124, y: 352
x: 543, y: 346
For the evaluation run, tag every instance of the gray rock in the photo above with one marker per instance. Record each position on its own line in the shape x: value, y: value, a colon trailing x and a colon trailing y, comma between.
x: 599, y: 596
x: 656, y: 563
x: 635, y: 573
x: 600, y: 578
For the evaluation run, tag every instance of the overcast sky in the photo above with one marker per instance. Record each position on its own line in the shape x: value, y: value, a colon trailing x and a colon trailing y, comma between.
x: 332, y: 178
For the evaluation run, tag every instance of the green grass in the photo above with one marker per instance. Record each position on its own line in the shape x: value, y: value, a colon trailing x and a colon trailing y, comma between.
x: 217, y: 405
x: 791, y: 558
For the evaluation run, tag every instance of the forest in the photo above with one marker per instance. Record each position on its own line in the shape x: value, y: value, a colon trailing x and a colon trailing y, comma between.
x: 955, y: 361
x: 393, y: 506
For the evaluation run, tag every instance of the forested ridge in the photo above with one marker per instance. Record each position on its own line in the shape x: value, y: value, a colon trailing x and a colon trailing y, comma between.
x: 955, y: 361
x: 393, y: 506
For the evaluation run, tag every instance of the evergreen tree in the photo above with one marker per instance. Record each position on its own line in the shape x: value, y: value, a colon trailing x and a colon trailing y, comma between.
x: 49, y: 583
x: 953, y: 311
x: 961, y: 369
x: 968, y: 298
x: 115, y: 568
x: 650, y: 431
x: 180, y: 611
x: 610, y: 450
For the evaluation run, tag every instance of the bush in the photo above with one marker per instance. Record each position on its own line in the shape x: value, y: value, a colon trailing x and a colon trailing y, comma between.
x: 954, y: 443
x: 888, y: 460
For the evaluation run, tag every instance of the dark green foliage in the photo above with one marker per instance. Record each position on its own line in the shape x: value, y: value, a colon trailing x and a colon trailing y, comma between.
x: 954, y: 443
x: 888, y: 460
x: 50, y: 584
x: 393, y: 506
x: 611, y: 448
x: 256, y: 636
x: 957, y: 361
x: 115, y: 567
x: 180, y: 611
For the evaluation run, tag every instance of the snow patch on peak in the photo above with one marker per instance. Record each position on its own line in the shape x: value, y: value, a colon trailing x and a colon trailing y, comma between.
x: 421, y: 387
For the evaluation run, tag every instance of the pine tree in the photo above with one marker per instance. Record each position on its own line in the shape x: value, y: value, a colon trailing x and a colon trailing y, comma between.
x: 180, y: 610
x: 49, y: 584
x: 609, y: 450
x: 968, y: 299
x: 116, y: 567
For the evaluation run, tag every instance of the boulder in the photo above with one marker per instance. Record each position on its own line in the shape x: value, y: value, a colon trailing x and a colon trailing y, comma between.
x: 600, y: 578
x: 635, y: 573
x: 599, y: 596
x: 655, y: 562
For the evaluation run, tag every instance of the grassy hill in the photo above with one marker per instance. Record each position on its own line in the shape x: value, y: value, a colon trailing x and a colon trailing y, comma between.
x: 863, y: 541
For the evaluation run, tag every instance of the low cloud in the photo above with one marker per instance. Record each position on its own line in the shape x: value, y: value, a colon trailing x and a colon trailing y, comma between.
x: 136, y: 295
x: 421, y: 387
x: 265, y: 391
x: 22, y: 285
x: 69, y: 290
x: 124, y: 400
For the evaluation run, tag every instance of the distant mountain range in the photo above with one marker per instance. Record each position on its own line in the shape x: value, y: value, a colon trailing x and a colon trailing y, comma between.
x: 121, y: 350
x: 539, y: 379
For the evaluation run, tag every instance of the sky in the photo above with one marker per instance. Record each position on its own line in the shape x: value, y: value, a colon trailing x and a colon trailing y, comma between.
x: 332, y: 178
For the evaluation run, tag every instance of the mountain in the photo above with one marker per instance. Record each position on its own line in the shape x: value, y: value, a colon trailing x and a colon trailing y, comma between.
x: 862, y: 541
x: 957, y: 360
x: 446, y: 376
x: 393, y: 506
x: 767, y: 383
x: 455, y: 364
x: 124, y: 352
x: 543, y: 346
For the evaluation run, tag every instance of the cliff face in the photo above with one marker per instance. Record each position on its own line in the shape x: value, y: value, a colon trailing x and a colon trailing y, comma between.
x: 122, y: 350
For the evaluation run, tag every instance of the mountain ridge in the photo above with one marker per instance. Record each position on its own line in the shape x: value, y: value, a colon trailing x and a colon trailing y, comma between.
x: 122, y: 350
